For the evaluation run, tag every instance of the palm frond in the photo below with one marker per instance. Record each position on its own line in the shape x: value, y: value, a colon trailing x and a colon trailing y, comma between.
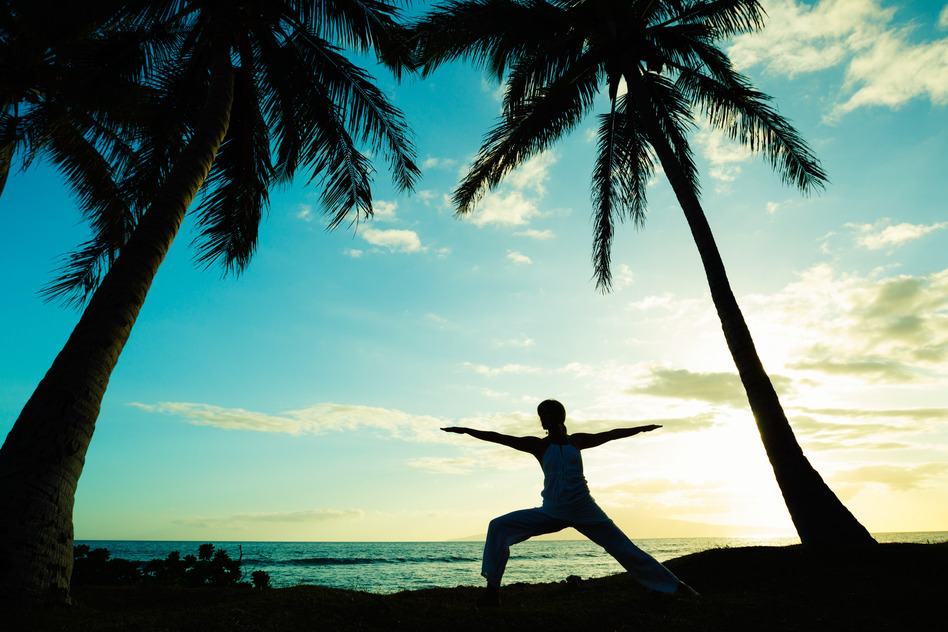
x: 365, y: 109
x: 237, y: 187
x: 79, y: 274
x: 534, y: 71
x: 724, y: 18
x: 745, y: 116
x: 528, y: 129
x: 357, y: 24
x: 111, y: 218
x: 671, y: 111
x: 492, y: 34
x: 623, y: 168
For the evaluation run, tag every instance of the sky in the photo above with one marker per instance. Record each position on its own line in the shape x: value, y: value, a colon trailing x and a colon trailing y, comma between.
x: 303, y: 400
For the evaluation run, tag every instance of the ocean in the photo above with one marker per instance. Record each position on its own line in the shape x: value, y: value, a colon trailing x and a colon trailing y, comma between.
x: 387, y: 567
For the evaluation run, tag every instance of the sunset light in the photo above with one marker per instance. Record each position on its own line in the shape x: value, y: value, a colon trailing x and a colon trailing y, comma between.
x: 302, y: 400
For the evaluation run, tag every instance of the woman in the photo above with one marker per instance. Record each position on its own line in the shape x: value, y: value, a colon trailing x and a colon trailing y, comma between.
x: 566, y: 503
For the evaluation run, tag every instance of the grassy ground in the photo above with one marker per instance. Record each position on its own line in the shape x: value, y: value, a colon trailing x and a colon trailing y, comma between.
x: 886, y: 587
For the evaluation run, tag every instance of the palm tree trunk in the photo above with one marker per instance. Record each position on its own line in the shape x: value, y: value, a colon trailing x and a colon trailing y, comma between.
x: 42, y: 457
x: 6, y: 159
x: 818, y: 515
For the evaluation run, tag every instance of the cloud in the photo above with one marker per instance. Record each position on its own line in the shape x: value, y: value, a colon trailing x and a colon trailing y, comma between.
x: 244, y: 521
x: 883, y: 66
x: 305, y: 212
x: 515, y: 204
x: 318, y: 419
x: 394, y: 240
x: 439, y: 163
x: 537, y: 234
x: 910, y: 415
x: 482, y: 369
x: 622, y: 277
x: 355, y: 253
x: 883, y: 234
x: 865, y: 429
x: 383, y: 211
x: 895, y: 477
x: 518, y: 258
x: 670, y: 425
x: 446, y: 465
x: 724, y: 155
x: 508, y: 209
x: 873, y: 329
x: 533, y: 174
x: 438, y: 320
x: 873, y: 368
x: 712, y: 388
x: 523, y: 342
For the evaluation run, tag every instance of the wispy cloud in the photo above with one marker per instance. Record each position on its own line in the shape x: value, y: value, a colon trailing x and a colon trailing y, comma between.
x: 891, y: 329
x: 318, y: 419
x: 522, y: 342
x: 532, y: 233
x: 482, y: 369
x: 712, y: 388
x: 439, y: 163
x: 897, y: 477
x: 244, y: 521
x: 622, y: 277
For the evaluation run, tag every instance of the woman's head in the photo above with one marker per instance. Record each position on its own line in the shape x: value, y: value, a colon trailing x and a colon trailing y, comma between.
x: 552, y: 413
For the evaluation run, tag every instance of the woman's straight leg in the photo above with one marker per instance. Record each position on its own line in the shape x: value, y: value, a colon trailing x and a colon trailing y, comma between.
x: 644, y: 568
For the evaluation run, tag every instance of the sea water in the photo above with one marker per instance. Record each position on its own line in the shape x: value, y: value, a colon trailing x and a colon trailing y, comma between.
x: 386, y: 567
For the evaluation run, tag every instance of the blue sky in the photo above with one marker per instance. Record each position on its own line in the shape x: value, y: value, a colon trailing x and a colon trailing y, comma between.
x: 302, y: 400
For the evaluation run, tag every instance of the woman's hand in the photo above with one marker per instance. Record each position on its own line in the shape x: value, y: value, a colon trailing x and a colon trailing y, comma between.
x: 456, y: 430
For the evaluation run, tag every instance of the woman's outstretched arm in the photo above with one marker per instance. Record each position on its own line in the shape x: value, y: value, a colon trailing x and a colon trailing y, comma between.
x: 532, y: 445
x: 583, y: 440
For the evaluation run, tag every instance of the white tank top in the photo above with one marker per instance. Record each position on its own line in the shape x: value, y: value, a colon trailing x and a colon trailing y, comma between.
x: 565, y: 492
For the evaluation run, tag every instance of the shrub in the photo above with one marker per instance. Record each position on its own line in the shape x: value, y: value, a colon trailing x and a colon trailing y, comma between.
x: 210, y: 568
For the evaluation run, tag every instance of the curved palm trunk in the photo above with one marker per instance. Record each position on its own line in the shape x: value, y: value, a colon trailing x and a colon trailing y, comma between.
x: 818, y: 515
x: 42, y: 457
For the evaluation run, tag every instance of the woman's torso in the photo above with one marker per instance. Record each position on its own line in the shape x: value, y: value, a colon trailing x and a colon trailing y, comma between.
x: 565, y: 491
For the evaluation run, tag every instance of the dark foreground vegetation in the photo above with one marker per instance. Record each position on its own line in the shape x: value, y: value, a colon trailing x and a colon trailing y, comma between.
x: 884, y: 587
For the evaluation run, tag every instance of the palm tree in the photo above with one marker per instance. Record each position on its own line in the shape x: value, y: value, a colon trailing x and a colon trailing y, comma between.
x: 256, y: 90
x: 556, y: 56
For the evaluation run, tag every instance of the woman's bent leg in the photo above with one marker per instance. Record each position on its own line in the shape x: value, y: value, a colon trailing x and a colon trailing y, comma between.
x: 508, y: 530
x: 644, y: 568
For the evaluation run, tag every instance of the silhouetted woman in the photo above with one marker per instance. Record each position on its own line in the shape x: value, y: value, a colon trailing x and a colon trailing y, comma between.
x: 566, y: 503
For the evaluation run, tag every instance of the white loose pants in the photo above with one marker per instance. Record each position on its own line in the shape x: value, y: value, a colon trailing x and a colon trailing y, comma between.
x: 518, y: 526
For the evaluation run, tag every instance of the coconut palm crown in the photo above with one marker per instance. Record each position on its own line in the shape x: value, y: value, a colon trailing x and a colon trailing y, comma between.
x: 556, y: 57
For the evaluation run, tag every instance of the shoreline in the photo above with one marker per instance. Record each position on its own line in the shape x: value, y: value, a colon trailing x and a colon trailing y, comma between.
x: 881, y: 587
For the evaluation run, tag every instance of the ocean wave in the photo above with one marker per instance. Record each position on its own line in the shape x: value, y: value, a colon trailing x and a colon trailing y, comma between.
x: 354, y: 561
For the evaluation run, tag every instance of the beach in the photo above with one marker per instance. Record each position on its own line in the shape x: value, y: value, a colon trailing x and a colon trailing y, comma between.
x: 883, y: 587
